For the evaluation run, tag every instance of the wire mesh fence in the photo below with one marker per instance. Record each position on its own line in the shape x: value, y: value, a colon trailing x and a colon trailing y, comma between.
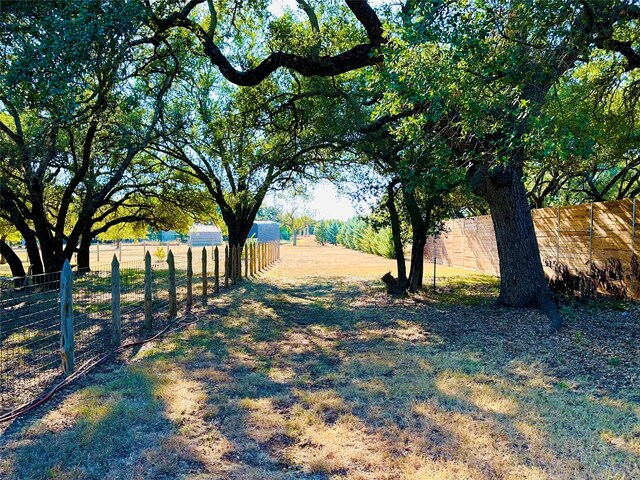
x: 30, y: 315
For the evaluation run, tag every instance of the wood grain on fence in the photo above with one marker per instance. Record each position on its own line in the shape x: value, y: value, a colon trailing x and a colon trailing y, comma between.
x: 575, y: 236
x: 173, y: 303
x: 227, y: 267
x: 148, y: 293
x: 205, y: 279
x: 67, y: 343
x: 216, y: 270
x: 116, y: 321
x: 189, y: 278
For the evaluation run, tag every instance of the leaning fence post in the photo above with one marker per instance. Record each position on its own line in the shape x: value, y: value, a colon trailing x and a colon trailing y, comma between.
x: 227, y: 267
x: 148, y: 293
x: 67, y: 346
x: 205, y: 280
x: 173, y: 306
x: 189, y: 278
x: 116, y: 335
x: 216, y: 270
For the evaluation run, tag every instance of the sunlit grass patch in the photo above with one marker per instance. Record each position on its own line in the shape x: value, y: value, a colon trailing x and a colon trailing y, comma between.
x: 468, y: 289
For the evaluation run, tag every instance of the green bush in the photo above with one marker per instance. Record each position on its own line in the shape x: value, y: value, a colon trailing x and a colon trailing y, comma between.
x: 356, y: 234
x: 327, y: 231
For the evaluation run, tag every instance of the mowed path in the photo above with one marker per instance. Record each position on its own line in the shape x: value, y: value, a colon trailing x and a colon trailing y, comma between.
x: 312, y: 372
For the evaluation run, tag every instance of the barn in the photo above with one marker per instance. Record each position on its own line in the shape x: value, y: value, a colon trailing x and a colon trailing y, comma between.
x: 204, y: 235
x: 265, y: 231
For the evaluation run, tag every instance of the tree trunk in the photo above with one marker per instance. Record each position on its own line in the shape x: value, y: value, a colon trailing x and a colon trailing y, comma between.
x: 397, y: 237
x: 420, y: 218
x: 416, y: 270
x: 295, y: 237
x: 239, y: 225
x: 84, y: 252
x: 17, y: 269
x: 2, y: 259
x: 52, y: 257
x: 33, y: 252
x: 522, y: 279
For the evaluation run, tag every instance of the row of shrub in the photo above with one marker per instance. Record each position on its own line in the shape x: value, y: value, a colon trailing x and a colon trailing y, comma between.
x: 356, y: 234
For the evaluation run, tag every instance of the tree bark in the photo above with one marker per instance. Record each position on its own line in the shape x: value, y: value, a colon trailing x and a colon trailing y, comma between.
x: 397, y: 236
x: 239, y: 224
x: 420, y: 218
x: 84, y: 252
x: 416, y: 271
x: 17, y: 269
x: 2, y: 259
x: 522, y: 279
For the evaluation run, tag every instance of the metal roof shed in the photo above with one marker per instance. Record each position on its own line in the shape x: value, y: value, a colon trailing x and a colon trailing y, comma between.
x: 204, y: 235
x: 265, y: 231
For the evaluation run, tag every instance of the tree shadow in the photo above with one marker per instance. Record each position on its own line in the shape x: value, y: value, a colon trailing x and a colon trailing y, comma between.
x: 334, y: 379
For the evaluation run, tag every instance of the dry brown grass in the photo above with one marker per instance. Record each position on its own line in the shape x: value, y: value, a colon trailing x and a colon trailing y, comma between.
x: 312, y: 372
x: 308, y: 259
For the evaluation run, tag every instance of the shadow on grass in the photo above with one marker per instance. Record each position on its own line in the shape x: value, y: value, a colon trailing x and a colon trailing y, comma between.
x: 335, y: 380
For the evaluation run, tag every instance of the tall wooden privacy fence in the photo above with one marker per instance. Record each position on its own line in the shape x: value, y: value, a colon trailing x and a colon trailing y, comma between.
x: 584, y: 248
x: 50, y: 324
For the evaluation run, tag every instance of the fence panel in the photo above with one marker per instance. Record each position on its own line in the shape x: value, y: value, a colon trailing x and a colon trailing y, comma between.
x: 598, y: 240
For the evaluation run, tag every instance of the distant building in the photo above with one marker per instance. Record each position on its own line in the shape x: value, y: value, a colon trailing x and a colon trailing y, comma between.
x: 265, y: 231
x: 204, y: 235
x: 169, y: 236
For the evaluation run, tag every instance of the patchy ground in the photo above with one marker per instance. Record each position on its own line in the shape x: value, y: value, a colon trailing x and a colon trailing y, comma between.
x: 312, y: 372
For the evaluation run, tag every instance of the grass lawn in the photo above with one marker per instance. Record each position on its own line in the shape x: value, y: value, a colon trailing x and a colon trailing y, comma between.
x: 313, y: 372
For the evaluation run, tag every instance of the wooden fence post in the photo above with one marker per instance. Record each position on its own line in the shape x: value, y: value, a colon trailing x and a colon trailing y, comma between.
x: 67, y: 344
x: 252, y: 260
x: 148, y: 293
x: 116, y: 329
x: 255, y: 259
x: 258, y: 266
x: 173, y: 305
x: 258, y: 255
x: 216, y: 270
x: 234, y: 264
x: 239, y: 262
x: 246, y: 260
x: 205, y: 280
x: 189, y: 278
x: 227, y: 267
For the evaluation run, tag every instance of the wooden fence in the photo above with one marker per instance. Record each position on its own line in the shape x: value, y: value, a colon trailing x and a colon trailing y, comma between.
x: 591, y: 240
x: 53, y: 325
